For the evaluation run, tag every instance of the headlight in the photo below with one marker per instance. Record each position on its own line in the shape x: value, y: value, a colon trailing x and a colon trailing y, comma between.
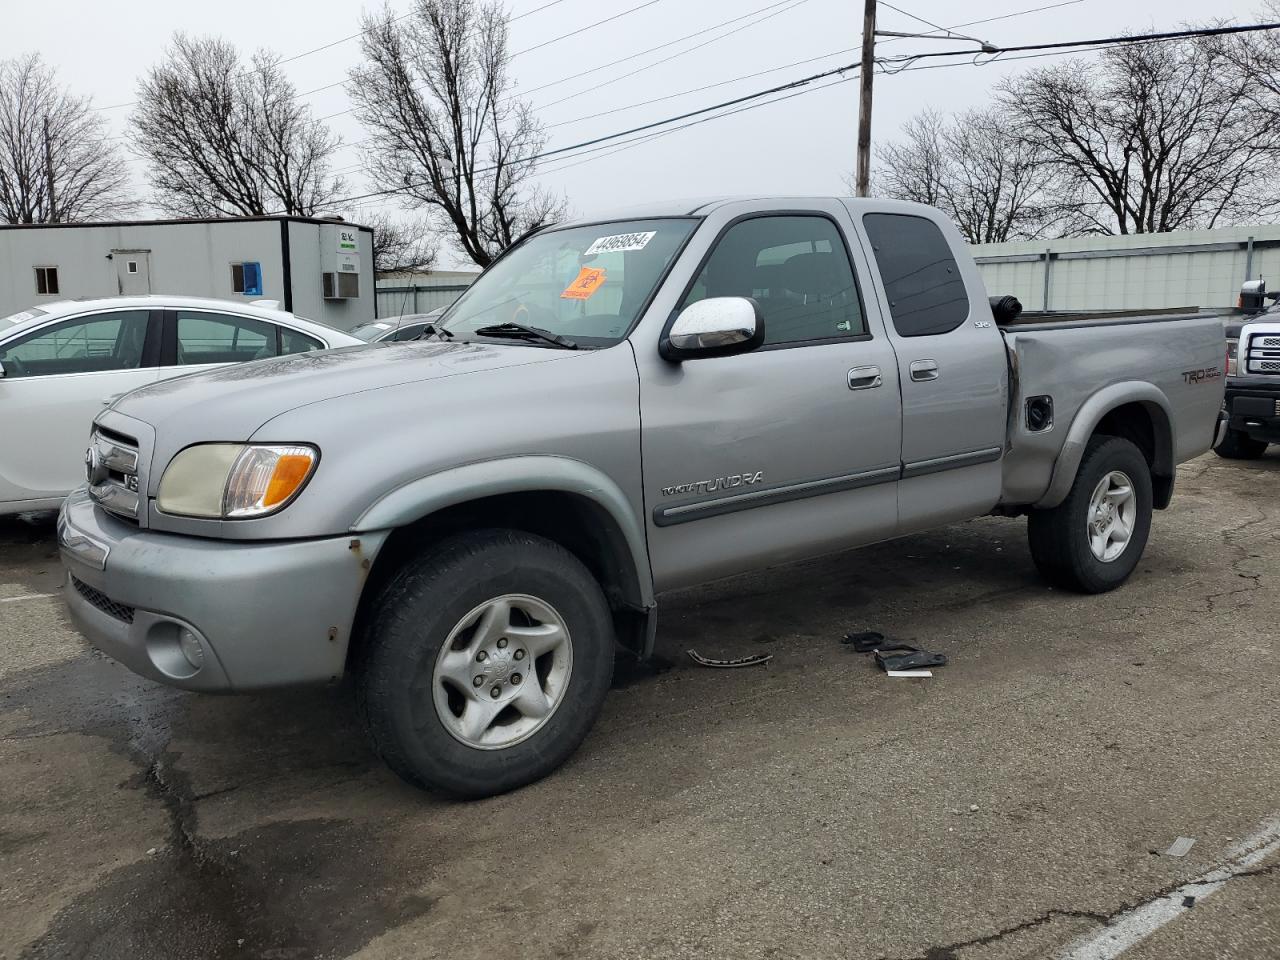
x: 1233, y: 346
x: 234, y: 481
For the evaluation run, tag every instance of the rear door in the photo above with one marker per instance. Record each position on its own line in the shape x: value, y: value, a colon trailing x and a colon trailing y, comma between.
x: 57, y: 379
x: 198, y: 339
x: 951, y: 363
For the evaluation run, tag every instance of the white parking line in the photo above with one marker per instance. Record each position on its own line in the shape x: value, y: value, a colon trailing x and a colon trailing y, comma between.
x: 29, y: 596
x: 1135, y: 925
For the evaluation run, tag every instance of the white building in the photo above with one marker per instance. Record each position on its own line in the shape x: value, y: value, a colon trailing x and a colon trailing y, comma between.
x: 1185, y: 268
x: 319, y: 269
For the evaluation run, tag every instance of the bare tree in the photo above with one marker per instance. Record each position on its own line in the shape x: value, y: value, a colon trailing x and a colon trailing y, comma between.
x: 89, y: 176
x: 1149, y: 137
x: 446, y: 131
x: 972, y: 167
x: 223, y: 139
x: 915, y: 167
x: 400, y: 245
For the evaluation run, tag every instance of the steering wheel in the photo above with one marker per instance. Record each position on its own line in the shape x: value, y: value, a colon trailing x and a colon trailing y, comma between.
x: 532, y: 315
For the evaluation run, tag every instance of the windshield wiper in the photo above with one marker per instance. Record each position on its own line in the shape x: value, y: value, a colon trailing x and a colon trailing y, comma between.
x: 519, y: 331
x: 431, y: 330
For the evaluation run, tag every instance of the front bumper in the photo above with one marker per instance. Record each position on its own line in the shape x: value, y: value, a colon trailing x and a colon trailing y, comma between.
x: 212, y: 615
x: 1253, y: 407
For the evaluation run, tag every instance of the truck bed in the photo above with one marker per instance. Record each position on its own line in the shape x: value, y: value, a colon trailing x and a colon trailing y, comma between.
x: 1043, y: 318
x: 1079, y: 358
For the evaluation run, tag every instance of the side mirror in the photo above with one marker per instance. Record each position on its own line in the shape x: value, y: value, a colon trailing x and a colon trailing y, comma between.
x: 716, y: 327
x: 1, y: 370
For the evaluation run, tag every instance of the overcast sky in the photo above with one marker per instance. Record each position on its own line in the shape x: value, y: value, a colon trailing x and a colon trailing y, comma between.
x: 803, y: 145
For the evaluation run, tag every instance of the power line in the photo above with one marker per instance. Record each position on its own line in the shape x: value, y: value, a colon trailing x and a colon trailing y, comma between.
x: 792, y: 5
x: 803, y: 81
x: 334, y: 43
x: 928, y: 23
x: 661, y: 46
x: 590, y: 26
x: 786, y: 4
x: 1099, y: 41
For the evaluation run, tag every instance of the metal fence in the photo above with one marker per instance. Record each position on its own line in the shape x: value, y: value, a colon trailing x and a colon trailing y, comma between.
x: 1201, y: 268
x: 394, y: 301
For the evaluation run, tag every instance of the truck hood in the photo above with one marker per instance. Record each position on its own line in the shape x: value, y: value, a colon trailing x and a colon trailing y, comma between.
x: 231, y: 402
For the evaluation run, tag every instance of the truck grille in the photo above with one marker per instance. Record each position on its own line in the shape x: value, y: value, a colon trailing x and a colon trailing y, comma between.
x: 111, y: 466
x: 119, y: 611
x: 1262, y: 354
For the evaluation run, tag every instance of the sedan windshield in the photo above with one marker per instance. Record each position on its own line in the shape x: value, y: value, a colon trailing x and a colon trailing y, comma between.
x: 586, y: 284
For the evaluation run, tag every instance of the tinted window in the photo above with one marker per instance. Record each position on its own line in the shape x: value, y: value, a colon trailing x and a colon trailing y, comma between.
x: 796, y: 268
x: 220, y: 338
x: 921, y: 278
x: 293, y: 342
x: 104, y: 341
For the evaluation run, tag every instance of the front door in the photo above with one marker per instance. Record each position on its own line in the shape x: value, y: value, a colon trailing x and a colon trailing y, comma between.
x: 56, y: 380
x: 791, y: 450
x: 133, y: 272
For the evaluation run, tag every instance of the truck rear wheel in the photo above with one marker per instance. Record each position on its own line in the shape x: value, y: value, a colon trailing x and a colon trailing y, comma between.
x: 1240, y: 446
x: 485, y: 663
x: 1093, y: 539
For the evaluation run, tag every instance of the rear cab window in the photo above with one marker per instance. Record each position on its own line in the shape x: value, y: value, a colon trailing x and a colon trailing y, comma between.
x: 921, y: 278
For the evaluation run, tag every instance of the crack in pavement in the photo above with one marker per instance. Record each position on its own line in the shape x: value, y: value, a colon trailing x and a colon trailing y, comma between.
x: 951, y: 951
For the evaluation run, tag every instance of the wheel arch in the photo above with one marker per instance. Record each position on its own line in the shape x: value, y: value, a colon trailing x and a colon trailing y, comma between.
x: 1138, y: 412
x: 564, y: 500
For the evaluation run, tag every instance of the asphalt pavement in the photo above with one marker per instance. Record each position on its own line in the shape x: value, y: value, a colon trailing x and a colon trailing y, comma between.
x: 1015, y: 805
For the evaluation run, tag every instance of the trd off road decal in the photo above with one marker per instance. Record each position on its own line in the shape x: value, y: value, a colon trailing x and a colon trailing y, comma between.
x: 1201, y: 376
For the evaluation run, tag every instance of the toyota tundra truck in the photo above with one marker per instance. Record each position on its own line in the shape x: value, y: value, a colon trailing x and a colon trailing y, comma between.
x: 471, y: 524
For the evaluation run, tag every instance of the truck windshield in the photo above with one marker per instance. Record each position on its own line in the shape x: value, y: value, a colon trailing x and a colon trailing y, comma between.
x: 587, y: 284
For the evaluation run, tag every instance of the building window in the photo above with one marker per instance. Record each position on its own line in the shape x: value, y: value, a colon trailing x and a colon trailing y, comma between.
x: 46, y: 281
x: 132, y: 266
x: 246, y: 278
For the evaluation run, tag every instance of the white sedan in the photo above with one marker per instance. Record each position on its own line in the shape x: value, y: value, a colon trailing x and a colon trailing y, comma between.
x: 60, y: 363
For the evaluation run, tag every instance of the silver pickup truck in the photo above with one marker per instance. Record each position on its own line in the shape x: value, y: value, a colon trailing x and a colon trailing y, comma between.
x: 473, y: 522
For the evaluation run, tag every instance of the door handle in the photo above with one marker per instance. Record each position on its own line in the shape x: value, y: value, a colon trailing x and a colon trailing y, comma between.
x: 922, y: 370
x: 864, y: 378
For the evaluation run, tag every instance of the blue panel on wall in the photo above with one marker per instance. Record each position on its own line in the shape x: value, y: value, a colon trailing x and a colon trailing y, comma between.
x: 253, y: 279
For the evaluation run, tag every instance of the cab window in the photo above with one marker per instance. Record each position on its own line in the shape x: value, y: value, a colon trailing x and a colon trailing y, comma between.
x: 796, y: 268
x: 94, y: 344
x: 921, y: 278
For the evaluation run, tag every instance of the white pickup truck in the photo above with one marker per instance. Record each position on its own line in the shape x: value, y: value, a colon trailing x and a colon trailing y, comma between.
x: 471, y: 523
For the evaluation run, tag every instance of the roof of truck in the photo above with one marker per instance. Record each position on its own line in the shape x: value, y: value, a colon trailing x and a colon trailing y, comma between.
x: 701, y: 206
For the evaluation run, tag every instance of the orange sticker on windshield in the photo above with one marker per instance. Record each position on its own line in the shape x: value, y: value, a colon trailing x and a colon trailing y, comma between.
x: 586, y: 283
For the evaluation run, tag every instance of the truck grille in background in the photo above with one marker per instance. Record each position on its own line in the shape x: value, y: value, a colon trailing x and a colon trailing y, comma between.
x: 1262, y: 354
x: 104, y: 603
x: 112, y: 468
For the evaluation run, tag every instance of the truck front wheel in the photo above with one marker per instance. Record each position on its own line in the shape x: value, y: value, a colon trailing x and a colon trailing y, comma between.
x: 485, y: 663
x: 1093, y: 539
x: 1237, y: 445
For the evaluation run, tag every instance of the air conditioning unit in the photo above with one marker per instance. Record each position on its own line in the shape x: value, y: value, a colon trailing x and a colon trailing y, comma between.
x: 340, y: 261
x: 339, y: 285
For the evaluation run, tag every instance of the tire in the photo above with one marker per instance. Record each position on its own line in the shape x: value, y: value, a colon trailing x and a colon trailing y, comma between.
x: 492, y: 592
x: 1061, y: 537
x: 1237, y: 445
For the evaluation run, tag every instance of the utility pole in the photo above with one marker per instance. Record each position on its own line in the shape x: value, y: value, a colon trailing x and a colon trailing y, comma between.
x: 48, y: 172
x: 864, y: 107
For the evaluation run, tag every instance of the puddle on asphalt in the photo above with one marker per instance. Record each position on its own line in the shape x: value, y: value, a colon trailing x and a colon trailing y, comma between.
x: 316, y: 888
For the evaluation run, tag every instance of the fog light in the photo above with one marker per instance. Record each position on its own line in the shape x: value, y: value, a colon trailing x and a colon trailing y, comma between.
x: 191, y: 648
